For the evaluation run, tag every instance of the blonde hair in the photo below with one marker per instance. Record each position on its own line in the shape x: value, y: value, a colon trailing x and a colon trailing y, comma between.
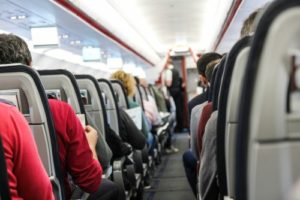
x: 127, y: 80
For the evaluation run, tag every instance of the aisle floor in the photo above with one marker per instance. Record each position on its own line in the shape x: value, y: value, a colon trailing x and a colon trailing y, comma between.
x: 169, y: 181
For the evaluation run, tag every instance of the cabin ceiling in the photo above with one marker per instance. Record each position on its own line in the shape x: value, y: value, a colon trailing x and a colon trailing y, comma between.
x: 150, y: 27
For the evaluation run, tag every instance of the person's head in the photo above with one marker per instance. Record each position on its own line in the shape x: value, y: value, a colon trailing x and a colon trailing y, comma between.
x: 210, y: 68
x: 13, y: 49
x: 202, y: 62
x: 143, y: 82
x: 248, y: 25
x: 127, y: 80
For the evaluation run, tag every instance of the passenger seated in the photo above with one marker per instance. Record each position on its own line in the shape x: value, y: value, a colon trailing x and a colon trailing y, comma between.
x: 129, y: 86
x: 191, y: 157
x: 208, y: 160
x: 201, y: 66
x: 151, y: 110
x: 159, y: 97
x: 76, y: 144
x: 21, y: 156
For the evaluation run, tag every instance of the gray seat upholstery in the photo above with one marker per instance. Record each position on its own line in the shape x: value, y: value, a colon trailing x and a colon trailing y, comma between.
x: 34, y: 106
x: 113, y: 118
x: 268, y: 133
x: 94, y: 107
x: 227, y: 82
x: 65, y: 82
x: 111, y: 105
x: 232, y: 118
x: 138, y: 96
x: 120, y: 91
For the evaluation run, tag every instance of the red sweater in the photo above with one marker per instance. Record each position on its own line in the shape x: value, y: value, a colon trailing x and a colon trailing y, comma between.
x: 75, y: 155
x: 27, y: 176
x: 206, y: 112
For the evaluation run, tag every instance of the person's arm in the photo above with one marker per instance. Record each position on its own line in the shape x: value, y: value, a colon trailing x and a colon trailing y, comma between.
x: 27, y: 176
x: 168, y: 78
x: 92, y: 137
x: 84, y: 169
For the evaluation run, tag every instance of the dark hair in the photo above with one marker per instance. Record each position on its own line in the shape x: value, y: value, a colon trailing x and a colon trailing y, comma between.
x: 248, y: 24
x: 210, y: 68
x: 13, y: 49
x: 204, y: 60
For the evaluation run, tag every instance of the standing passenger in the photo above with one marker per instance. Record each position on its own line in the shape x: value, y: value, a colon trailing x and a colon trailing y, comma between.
x: 173, y: 81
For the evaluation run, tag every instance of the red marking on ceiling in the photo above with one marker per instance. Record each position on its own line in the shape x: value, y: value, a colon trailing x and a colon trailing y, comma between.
x: 89, y: 20
x: 233, y: 10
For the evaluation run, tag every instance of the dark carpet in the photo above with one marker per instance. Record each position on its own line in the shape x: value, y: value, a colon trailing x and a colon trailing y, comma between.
x: 169, y: 181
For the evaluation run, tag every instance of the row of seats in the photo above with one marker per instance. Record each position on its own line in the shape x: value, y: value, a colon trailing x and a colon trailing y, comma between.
x: 96, y: 103
x: 251, y: 134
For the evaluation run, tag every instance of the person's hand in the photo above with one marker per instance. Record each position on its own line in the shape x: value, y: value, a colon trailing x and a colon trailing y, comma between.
x: 91, y: 135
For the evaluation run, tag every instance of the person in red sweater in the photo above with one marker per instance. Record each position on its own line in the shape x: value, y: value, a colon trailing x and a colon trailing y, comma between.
x: 21, y: 156
x: 76, y: 144
x: 76, y: 148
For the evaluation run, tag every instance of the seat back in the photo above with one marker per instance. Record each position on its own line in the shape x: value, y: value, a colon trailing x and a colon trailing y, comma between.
x: 96, y: 112
x: 94, y: 107
x: 120, y: 93
x: 232, y: 118
x: 268, y: 146
x: 65, y: 82
x: 143, y: 92
x: 111, y: 105
x: 225, y: 84
x: 150, y: 90
x: 138, y: 96
x: 160, y: 99
x: 25, y: 83
x: 216, y: 84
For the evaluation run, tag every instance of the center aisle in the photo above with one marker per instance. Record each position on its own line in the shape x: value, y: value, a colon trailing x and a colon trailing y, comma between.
x: 169, y: 181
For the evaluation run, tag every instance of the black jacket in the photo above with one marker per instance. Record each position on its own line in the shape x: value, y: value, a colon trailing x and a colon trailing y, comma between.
x: 129, y: 132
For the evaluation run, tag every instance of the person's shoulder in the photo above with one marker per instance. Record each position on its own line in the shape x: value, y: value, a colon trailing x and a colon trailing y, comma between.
x: 201, y: 98
x: 6, y: 106
x: 7, y: 109
x: 198, y: 108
